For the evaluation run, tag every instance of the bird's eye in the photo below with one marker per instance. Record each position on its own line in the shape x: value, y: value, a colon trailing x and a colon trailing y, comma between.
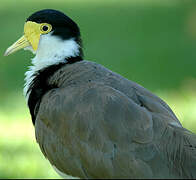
x: 45, y: 28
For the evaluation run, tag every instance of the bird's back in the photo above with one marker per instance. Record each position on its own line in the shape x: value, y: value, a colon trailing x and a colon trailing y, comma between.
x: 97, y: 124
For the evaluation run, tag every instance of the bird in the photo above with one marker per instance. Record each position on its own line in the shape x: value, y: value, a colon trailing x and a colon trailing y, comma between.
x: 91, y: 122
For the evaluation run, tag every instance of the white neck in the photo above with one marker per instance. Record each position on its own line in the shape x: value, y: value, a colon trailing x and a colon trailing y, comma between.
x: 51, y: 50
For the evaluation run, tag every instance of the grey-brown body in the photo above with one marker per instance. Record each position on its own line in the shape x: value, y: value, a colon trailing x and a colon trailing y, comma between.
x: 97, y: 124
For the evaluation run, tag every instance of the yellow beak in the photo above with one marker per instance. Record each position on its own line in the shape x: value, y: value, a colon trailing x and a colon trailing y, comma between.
x: 31, y: 37
x: 20, y: 44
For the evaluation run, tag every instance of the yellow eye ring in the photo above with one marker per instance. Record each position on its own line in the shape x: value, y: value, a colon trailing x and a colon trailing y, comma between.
x: 45, y: 28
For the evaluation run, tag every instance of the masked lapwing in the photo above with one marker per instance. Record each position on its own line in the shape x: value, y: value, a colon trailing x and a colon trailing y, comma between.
x: 91, y: 122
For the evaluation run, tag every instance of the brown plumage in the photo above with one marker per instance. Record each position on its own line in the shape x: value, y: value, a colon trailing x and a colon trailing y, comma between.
x: 97, y: 124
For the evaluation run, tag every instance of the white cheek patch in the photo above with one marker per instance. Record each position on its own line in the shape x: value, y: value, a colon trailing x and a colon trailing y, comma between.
x: 51, y: 50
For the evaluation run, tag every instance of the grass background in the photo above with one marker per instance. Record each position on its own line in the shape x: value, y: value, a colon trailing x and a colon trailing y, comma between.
x: 152, y: 42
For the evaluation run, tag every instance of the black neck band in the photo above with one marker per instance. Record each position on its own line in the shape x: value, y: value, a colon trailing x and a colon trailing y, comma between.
x: 39, y: 85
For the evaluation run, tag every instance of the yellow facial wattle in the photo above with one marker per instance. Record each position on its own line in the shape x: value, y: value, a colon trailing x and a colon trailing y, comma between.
x: 32, y: 32
x: 31, y: 37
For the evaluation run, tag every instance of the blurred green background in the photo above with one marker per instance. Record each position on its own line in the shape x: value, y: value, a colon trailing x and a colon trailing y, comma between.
x: 152, y: 42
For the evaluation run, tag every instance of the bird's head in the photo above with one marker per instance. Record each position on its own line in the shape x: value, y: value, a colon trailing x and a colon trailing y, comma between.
x: 49, y: 34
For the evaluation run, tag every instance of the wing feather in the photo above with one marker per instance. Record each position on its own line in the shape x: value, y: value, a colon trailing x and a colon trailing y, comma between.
x: 97, y: 131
